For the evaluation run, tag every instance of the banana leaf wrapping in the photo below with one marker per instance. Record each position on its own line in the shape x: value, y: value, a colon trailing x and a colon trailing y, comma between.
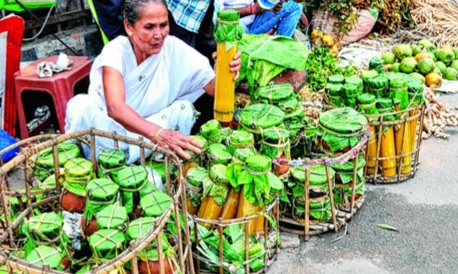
x: 46, y: 255
x: 342, y: 128
x: 349, y: 92
x: 110, y: 162
x: 342, y: 193
x: 45, y: 228
x: 78, y: 173
x: 319, y: 208
x: 275, y: 142
x: 216, y: 191
x: 139, y: 227
x: 399, y: 89
x: 367, y: 106
x: 240, y: 139
x: 100, y: 193
x: 385, y: 107
x: 195, y: 178
x: 376, y: 63
x: 211, y: 131
x: 44, y: 165
x: 131, y: 181
x: 112, y: 217
x: 318, y: 181
x: 416, y: 93
x: 274, y: 93
x: 225, y: 133
x: 333, y: 92
x: 257, y: 192
x: 276, y: 187
x: 217, y: 185
x: 151, y: 254
x: 294, y: 123
x: 256, y: 116
x: 155, y: 204
x: 107, y: 243
x: 356, y: 81
x: 289, y: 104
x: 240, y: 154
x: 336, y: 79
x: 378, y: 86
x: 368, y: 74
x: 218, y: 154
x: 344, y: 172
x: 227, y: 27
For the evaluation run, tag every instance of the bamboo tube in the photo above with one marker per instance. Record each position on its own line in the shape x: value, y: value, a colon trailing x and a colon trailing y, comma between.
x: 388, y: 151
x: 413, y: 128
x: 246, y: 208
x: 403, y: 147
x: 260, y: 220
x: 231, y: 205
x: 371, y: 152
x: 227, y: 22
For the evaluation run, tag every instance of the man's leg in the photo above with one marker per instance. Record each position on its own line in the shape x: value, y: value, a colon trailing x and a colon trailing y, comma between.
x: 290, y: 15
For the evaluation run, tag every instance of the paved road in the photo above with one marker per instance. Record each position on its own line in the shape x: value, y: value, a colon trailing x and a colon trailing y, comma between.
x: 423, y: 209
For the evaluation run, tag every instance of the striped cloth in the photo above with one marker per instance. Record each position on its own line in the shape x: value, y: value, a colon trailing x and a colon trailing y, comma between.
x: 188, y: 14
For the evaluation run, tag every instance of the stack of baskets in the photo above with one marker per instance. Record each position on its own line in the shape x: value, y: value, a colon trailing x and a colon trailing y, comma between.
x: 97, y: 215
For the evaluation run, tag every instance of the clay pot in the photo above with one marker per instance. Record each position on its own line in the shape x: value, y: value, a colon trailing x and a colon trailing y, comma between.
x: 89, y: 229
x: 153, y: 267
x: 281, y: 169
x: 137, y: 211
x: 72, y: 202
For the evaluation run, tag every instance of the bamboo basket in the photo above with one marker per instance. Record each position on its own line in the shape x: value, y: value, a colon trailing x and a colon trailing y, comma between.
x: 23, y: 161
x: 269, y: 235
x: 339, y: 215
x: 412, y: 118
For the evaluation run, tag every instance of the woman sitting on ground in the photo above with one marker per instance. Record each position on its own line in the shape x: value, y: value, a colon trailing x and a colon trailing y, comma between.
x: 144, y: 84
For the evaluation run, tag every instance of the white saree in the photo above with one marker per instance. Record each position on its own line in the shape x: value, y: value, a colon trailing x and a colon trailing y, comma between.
x: 161, y: 89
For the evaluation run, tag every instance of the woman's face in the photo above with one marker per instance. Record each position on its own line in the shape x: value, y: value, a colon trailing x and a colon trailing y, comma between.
x: 148, y: 33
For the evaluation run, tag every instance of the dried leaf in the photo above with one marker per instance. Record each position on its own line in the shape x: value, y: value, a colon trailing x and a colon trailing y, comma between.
x: 388, y: 227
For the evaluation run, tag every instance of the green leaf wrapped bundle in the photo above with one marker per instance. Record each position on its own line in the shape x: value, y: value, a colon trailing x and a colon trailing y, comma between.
x: 274, y: 93
x: 399, y: 89
x: 110, y: 162
x: 240, y: 139
x: 46, y: 255
x: 155, y: 204
x: 336, y: 79
x: 333, y: 92
x: 211, y: 131
x: 318, y: 180
x: 344, y: 177
x: 100, y: 193
x: 319, y: 208
x: 107, y: 244
x: 378, y: 86
x: 44, y: 164
x: 218, y: 154
x: 215, y: 194
x: 342, y: 128
x: 256, y: 116
x: 195, y: 178
x: 131, y: 181
x: 289, y: 104
x: 78, y: 173
x: 45, y: 229
x: 294, y: 122
x: 275, y: 143
x: 240, y: 155
x: 356, y: 81
x: 349, y: 92
x: 367, y: 106
x: 112, y: 217
x: 416, y: 93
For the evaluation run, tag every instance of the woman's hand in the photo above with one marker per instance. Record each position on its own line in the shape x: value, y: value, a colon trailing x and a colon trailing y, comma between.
x: 234, y: 65
x: 277, y: 7
x: 177, y: 142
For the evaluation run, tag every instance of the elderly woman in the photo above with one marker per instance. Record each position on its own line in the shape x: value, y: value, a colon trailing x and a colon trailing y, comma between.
x: 144, y: 84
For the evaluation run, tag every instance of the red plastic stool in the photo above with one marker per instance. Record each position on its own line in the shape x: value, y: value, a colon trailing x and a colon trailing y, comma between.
x: 60, y: 87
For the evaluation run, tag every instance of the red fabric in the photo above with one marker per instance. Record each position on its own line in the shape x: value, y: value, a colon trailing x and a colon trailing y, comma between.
x: 14, y: 25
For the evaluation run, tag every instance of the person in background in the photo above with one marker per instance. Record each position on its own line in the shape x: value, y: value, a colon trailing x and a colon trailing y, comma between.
x: 191, y: 21
x: 109, y: 15
x: 144, y: 84
x: 281, y: 20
